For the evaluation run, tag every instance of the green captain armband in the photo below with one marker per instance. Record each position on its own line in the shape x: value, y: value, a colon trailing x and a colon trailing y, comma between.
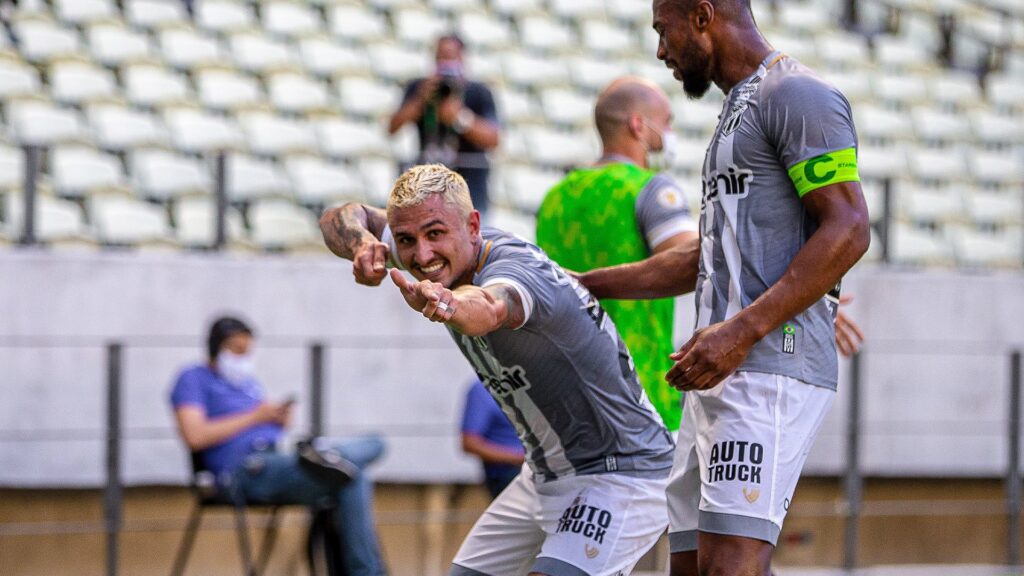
x: 820, y: 171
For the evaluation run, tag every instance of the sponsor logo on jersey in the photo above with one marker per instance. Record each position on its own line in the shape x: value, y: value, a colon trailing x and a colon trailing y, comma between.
x: 736, y: 460
x: 591, y: 552
x: 589, y: 521
x: 510, y: 380
x: 732, y: 183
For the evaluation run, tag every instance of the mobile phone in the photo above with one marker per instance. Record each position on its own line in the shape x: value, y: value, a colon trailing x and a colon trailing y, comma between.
x: 290, y: 399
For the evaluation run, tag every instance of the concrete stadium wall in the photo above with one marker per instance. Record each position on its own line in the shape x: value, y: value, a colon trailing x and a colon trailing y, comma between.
x: 935, y: 367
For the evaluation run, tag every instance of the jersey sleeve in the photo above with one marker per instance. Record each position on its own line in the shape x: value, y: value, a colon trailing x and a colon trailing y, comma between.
x: 483, y: 104
x: 388, y: 238
x: 410, y: 90
x: 662, y: 211
x: 188, y: 390
x: 535, y: 278
x: 810, y: 123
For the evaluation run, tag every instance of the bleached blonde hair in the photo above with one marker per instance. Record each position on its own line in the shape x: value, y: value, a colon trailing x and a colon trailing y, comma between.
x: 419, y: 183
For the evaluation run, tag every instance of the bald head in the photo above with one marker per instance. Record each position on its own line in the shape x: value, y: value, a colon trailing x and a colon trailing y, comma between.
x: 624, y: 98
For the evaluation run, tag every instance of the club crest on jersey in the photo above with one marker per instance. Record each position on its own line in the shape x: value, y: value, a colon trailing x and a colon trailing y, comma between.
x: 732, y: 183
x: 732, y: 122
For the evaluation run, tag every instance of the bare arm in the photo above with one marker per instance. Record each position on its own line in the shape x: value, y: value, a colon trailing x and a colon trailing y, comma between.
x: 669, y: 272
x: 471, y: 310
x: 841, y: 239
x: 353, y: 232
x: 200, y: 433
x: 489, y: 451
x: 412, y: 109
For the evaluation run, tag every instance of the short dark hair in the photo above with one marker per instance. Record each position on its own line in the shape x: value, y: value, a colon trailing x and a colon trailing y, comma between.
x: 223, y: 328
x: 453, y: 37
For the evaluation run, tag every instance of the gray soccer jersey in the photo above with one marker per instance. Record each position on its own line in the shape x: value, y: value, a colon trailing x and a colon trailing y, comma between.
x: 661, y: 211
x: 564, y: 378
x: 752, y: 221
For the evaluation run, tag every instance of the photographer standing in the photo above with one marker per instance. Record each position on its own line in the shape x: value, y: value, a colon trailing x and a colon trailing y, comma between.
x: 455, y: 118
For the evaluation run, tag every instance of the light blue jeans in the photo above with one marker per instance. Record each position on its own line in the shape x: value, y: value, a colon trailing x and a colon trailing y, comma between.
x: 277, y: 478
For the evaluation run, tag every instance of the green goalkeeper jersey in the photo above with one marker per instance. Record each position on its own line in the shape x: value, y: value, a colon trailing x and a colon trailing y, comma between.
x: 615, y: 214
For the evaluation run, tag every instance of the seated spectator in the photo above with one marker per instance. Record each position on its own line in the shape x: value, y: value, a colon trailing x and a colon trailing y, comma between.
x: 223, y: 413
x: 488, y: 434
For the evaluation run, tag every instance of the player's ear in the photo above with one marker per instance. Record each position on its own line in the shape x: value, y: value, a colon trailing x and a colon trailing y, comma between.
x: 635, y: 125
x: 702, y: 16
x: 474, y: 222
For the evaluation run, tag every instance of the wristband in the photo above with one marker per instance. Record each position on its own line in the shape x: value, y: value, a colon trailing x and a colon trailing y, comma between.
x: 463, y: 121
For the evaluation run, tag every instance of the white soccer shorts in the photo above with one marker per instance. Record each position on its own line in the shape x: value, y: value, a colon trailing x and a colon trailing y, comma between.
x: 592, y: 525
x: 739, y: 453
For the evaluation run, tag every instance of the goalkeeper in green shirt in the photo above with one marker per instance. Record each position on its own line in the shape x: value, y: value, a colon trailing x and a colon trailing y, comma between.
x: 621, y: 210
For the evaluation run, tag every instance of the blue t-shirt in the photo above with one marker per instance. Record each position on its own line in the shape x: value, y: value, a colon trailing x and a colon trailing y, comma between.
x: 483, y: 417
x: 202, y: 387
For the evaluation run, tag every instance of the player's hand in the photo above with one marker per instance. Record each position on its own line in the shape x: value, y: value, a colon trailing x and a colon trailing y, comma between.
x: 433, y: 300
x: 711, y: 355
x: 848, y: 334
x: 369, y: 264
x: 271, y: 413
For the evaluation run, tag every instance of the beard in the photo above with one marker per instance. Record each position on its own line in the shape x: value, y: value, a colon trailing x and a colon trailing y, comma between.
x: 695, y: 68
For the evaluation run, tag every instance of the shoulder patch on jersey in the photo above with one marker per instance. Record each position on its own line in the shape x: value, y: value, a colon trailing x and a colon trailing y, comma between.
x: 671, y: 197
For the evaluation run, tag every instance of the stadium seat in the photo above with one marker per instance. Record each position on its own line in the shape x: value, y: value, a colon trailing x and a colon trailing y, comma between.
x: 392, y: 4
x: 220, y: 89
x: 12, y: 168
x: 223, y: 16
x: 559, y: 149
x: 1004, y: 90
x: 114, y: 44
x: 125, y: 221
x: 78, y: 83
x: 881, y: 162
x: 1000, y: 168
x: 522, y: 69
x: 517, y: 7
x: 341, y: 138
x: 604, y: 37
x: 290, y: 19
x: 368, y: 97
x: 922, y: 246
x: 151, y: 85
x: 1000, y: 207
x: 636, y: 13
x: 900, y: 90
x: 695, y: 117
x: 854, y: 84
x: 842, y: 50
x: 878, y: 124
x: 1000, y: 247
x: 317, y: 182
x: 77, y: 170
x: 271, y: 135
x: 162, y: 174
x: 195, y: 222
x: 295, y: 93
x: 957, y: 90
x: 152, y: 14
x: 513, y: 221
x: 594, y: 73
x: 526, y: 186
x: 120, y: 128
x: 577, y: 9
x: 281, y: 225
x: 937, y: 126
x: 355, y: 22
x: 568, y: 107
x: 186, y: 49
x: 485, y: 67
x: 547, y: 34
x: 81, y: 12
x: 929, y: 204
x: 325, y: 57
x: 397, y: 63
x: 18, y: 79
x: 513, y: 147
x: 798, y: 45
x: 42, y: 41
x: 57, y: 222
x: 40, y: 123
x: 260, y: 54
x: 249, y: 179
x: 937, y: 165
x: 197, y: 131
x: 419, y: 27
x: 516, y: 106
x: 993, y: 129
x: 456, y: 5
x: 657, y: 72
x: 378, y: 176
x: 481, y: 30
x: 690, y: 157
x: 895, y: 53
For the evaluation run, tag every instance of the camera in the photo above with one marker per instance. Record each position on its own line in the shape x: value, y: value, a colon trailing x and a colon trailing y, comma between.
x: 448, y: 86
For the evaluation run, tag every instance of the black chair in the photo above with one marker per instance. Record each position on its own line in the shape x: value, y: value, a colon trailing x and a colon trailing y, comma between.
x: 204, y: 488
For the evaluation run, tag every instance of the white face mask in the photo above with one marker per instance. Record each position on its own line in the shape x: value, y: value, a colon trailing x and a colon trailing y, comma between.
x: 661, y: 160
x: 237, y: 369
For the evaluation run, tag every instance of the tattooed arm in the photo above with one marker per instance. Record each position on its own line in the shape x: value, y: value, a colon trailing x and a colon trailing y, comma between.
x: 353, y: 232
x: 472, y: 310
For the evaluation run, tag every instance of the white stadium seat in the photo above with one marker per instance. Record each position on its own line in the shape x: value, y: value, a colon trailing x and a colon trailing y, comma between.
x: 937, y: 165
x: 564, y: 106
x: 317, y: 181
x: 517, y: 7
x: 151, y: 14
x: 603, y: 37
x: 249, y: 178
x: 78, y: 82
x: 350, y: 139
x: 395, y: 62
x: 185, y: 48
x: 559, y: 149
x: 1004, y: 168
x: 955, y: 89
x: 162, y: 174
x: 283, y: 225
x: 227, y: 89
x: 154, y: 85
x: 296, y: 93
x: 897, y: 53
x: 991, y: 128
x: 547, y: 34
x: 577, y: 9
x: 291, y: 19
x: 355, y: 22
x: 57, y: 221
x: 933, y: 125
x: 79, y: 170
x: 123, y: 220
x: 526, y: 186
x: 929, y: 204
x: 12, y: 168
x: 484, y: 31
x: 120, y: 128
x: 45, y: 41
x: 271, y: 135
x: 902, y: 89
x: 595, y: 73
x: 1001, y: 247
x: 257, y: 53
x: 456, y: 5
x: 18, y: 79
x: 324, y: 56
x: 516, y: 105
x: 842, y: 50
x: 1005, y: 90
x: 223, y: 16
x: 378, y: 177
x: 881, y: 161
x: 419, y: 27
x: 195, y: 221
x: 995, y: 206
x: 114, y: 44
x: 526, y: 70
x: 637, y: 13
x: 198, y: 131
x: 368, y: 97
x: 41, y: 123
x: 917, y: 245
x: 80, y: 12
x: 523, y: 225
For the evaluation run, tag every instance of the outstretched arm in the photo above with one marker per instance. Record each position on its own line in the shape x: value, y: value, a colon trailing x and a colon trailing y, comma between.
x: 668, y: 273
x: 490, y: 452
x: 471, y: 310
x: 353, y: 232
